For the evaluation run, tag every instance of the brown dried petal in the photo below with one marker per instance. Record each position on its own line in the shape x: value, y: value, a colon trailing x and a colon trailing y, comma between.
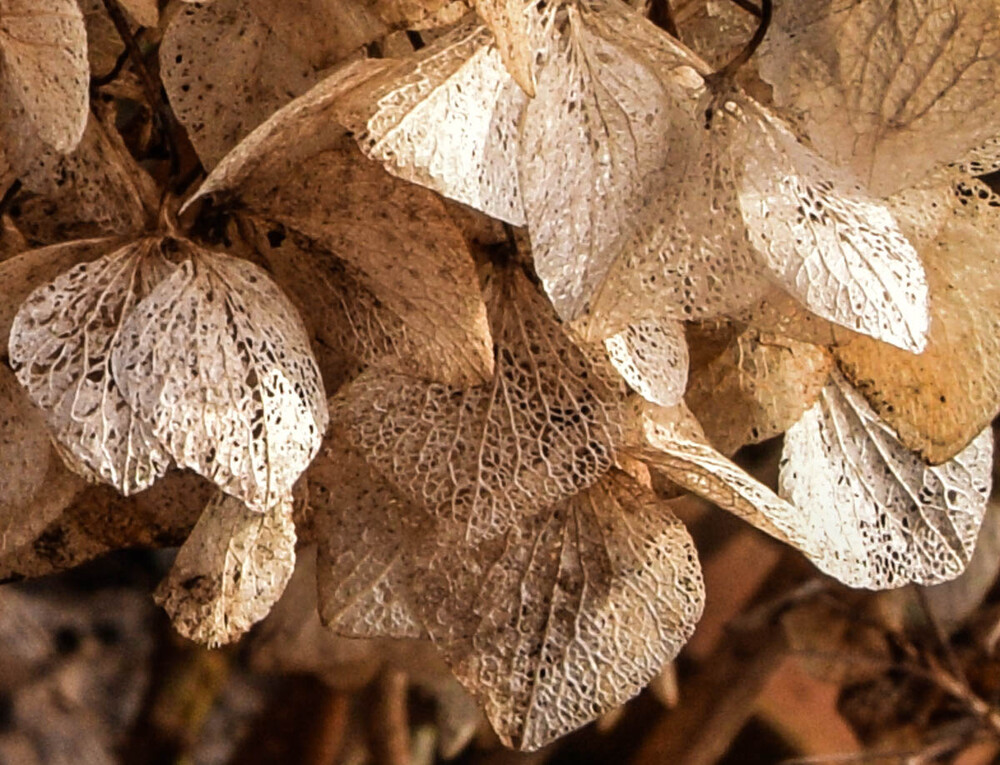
x: 938, y: 401
x: 300, y: 170
x: 546, y: 426
x: 45, y: 76
x: 756, y: 389
x: 230, y: 571
x: 888, y: 89
x: 574, y: 611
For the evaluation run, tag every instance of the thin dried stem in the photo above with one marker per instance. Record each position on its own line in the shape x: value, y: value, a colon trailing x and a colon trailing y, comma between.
x: 750, y: 48
x: 150, y: 84
x: 749, y: 7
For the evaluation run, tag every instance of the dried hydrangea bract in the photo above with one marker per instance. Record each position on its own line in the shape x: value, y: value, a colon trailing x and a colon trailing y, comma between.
x: 44, y: 76
x: 61, y: 344
x: 365, y: 536
x: 218, y: 361
x: 230, y: 571
x: 223, y: 53
x: 578, y: 608
x: 758, y: 387
x: 301, y: 172
x: 544, y: 427
x: 652, y: 357
x: 447, y: 118
x: 881, y: 516
x: 890, y: 90
x: 938, y: 401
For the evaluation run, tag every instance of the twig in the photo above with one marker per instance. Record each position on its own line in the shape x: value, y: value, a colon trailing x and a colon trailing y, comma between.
x: 749, y: 7
x: 751, y: 47
x: 661, y: 14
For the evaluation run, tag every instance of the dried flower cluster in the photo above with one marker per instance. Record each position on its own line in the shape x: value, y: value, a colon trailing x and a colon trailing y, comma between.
x: 532, y: 261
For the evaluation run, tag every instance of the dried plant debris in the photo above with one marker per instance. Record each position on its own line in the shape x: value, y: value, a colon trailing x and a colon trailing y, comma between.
x: 890, y: 90
x: 885, y: 517
x: 218, y: 362
x: 545, y: 426
x: 938, y: 401
x: 160, y: 351
x: 652, y: 357
x: 379, y: 238
x: 228, y: 64
x: 44, y: 77
x: 61, y: 344
x: 757, y: 388
x: 657, y: 199
x: 567, y: 614
x: 230, y: 571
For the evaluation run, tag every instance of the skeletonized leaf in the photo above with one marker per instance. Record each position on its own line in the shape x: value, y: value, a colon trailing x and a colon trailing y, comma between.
x: 574, y: 611
x: 31, y: 494
x: 829, y: 244
x: 888, y: 89
x: 61, y: 343
x: 44, y: 79
x: 652, y: 356
x: 756, y: 389
x: 226, y: 67
x: 544, y: 427
x: 24, y: 273
x: 300, y: 170
x: 671, y: 441
x: 886, y: 517
x: 365, y: 532
x: 217, y: 360
x: 447, y: 118
x: 939, y: 401
x: 515, y: 26
x: 614, y: 90
x: 230, y: 571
